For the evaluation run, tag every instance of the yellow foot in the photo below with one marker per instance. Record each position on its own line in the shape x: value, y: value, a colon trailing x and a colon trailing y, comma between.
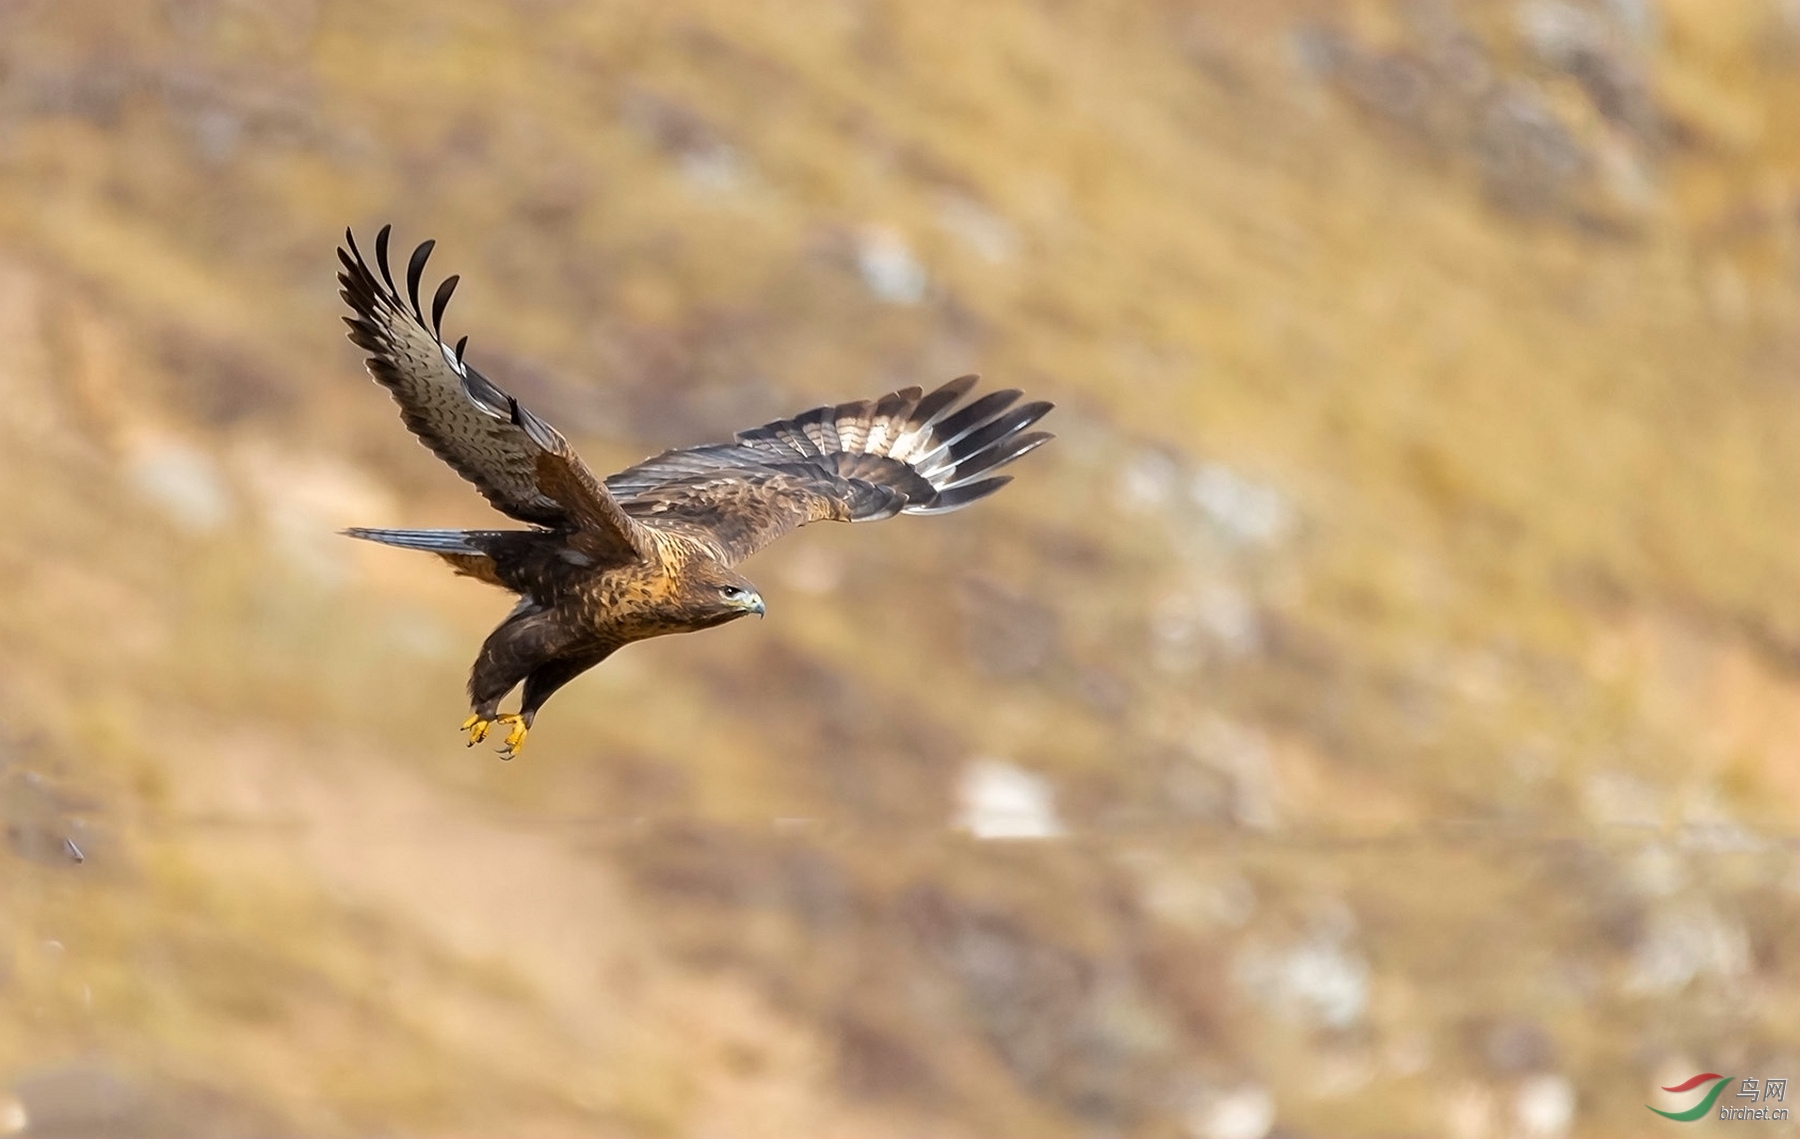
x: 478, y: 728
x: 515, y: 739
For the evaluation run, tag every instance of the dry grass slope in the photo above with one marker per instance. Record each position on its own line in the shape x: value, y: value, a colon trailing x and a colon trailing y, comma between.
x: 1404, y: 619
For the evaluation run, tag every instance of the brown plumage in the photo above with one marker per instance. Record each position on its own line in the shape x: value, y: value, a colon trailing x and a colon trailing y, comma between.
x: 650, y: 550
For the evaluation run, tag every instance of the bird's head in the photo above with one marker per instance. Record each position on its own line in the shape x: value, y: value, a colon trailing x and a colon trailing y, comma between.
x: 713, y: 594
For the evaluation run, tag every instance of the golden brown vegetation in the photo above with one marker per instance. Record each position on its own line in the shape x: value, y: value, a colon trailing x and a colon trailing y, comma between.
x: 1404, y: 621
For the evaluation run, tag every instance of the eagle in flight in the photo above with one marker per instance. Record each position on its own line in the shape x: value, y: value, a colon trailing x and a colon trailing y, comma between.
x: 652, y: 549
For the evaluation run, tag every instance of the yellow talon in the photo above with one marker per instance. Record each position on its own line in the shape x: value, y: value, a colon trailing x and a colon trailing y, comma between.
x: 478, y: 727
x: 515, y: 738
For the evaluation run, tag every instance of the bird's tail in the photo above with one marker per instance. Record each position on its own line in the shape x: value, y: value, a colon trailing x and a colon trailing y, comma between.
x: 431, y: 541
x: 458, y: 547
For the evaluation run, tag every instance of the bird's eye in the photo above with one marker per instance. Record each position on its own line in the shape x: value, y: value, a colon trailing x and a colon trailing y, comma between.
x: 731, y: 592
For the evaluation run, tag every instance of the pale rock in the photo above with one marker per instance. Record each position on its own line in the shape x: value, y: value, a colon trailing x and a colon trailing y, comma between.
x: 1002, y: 801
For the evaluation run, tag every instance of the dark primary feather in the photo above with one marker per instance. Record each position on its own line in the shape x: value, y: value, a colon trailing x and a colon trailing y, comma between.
x: 438, y: 304
x: 855, y: 462
x: 518, y: 462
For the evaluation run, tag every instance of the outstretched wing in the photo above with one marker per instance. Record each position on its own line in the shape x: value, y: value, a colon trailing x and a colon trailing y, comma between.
x: 856, y: 462
x: 517, y: 461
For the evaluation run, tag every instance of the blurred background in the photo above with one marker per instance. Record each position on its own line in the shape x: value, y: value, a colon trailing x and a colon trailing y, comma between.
x: 1377, y: 714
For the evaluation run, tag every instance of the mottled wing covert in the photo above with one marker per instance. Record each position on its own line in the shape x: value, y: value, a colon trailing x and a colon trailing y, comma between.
x: 855, y: 462
x: 516, y: 460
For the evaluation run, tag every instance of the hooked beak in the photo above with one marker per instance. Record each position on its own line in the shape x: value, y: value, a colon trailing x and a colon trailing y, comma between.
x: 755, y: 605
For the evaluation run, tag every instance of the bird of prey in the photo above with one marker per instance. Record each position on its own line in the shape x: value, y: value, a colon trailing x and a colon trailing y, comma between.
x: 652, y: 549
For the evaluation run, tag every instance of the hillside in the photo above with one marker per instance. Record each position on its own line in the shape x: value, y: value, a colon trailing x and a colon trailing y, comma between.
x: 1397, y: 654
